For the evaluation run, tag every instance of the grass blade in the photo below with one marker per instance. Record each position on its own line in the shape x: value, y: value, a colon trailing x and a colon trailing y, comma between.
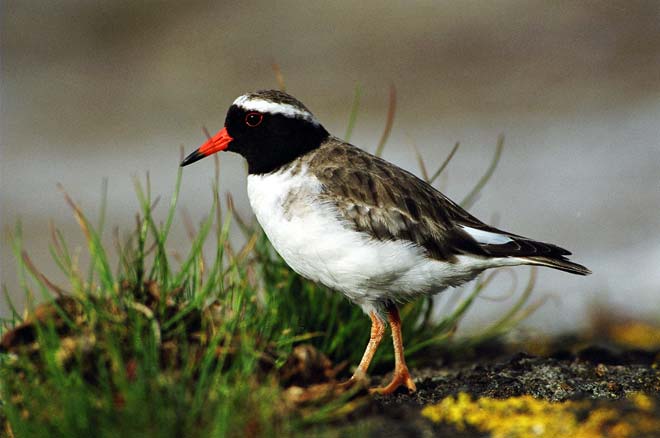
x: 352, y: 116
x: 420, y: 161
x: 471, y: 198
x: 279, y: 77
x: 391, y: 111
x: 444, y: 163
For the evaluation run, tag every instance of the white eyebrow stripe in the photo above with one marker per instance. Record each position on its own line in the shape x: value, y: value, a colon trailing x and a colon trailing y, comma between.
x: 265, y: 106
x: 486, y: 237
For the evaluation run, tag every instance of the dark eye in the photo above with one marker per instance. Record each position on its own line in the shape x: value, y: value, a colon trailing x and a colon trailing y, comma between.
x: 253, y: 119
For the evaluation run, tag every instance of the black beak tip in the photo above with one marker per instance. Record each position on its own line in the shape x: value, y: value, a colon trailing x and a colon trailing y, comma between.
x: 195, y: 156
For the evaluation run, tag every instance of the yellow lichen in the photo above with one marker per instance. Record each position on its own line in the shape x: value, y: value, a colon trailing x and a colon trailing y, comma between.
x: 527, y: 417
x: 642, y: 401
x: 635, y: 334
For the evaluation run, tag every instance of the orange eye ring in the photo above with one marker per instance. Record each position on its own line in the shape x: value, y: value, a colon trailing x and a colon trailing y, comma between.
x: 253, y: 119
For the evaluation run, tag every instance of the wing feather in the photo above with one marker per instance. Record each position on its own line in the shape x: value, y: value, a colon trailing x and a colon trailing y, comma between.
x: 388, y: 203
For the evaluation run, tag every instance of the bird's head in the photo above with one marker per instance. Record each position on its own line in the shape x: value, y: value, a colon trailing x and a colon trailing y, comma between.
x: 269, y: 128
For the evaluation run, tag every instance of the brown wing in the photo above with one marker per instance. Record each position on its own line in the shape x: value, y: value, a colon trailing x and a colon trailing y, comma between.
x: 389, y: 203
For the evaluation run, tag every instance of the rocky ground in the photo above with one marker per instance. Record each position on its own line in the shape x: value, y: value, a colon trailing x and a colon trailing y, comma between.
x: 576, y: 389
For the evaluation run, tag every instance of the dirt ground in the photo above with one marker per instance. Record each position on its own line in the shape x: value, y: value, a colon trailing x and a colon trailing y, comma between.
x: 596, y: 375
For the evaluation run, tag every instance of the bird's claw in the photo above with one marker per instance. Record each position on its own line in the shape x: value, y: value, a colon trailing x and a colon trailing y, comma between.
x: 401, y: 378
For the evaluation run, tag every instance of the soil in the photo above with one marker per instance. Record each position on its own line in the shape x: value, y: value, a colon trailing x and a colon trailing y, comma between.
x: 602, y: 374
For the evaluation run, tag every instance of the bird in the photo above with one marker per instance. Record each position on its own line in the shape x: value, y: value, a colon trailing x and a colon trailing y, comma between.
x: 359, y: 224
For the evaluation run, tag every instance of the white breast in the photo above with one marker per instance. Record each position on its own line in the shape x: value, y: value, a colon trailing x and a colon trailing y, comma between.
x: 310, y: 237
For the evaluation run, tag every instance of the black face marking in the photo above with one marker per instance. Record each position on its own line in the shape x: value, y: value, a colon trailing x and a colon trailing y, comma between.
x: 268, y: 141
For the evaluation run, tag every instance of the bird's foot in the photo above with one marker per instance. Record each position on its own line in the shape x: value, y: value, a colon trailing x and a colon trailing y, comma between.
x: 401, y: 378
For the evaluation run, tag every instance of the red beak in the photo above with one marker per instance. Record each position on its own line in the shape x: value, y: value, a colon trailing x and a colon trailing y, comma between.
x: 219, y: 142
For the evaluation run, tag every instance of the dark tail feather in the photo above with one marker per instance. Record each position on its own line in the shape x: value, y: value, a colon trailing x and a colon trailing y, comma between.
x: 562, y: 264
x: 532, y: 251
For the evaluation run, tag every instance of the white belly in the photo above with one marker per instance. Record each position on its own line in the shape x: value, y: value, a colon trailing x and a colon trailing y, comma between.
x: 313, y: 241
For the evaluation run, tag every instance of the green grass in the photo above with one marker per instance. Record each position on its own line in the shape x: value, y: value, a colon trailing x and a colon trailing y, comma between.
x: 164, y: 345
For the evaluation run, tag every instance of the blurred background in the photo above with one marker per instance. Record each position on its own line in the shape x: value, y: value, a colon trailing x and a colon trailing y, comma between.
x: 114, y: 88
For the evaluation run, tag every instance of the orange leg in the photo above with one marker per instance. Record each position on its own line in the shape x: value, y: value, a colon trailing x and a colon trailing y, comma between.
x: 401, y: 375
x: 377, y: 333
